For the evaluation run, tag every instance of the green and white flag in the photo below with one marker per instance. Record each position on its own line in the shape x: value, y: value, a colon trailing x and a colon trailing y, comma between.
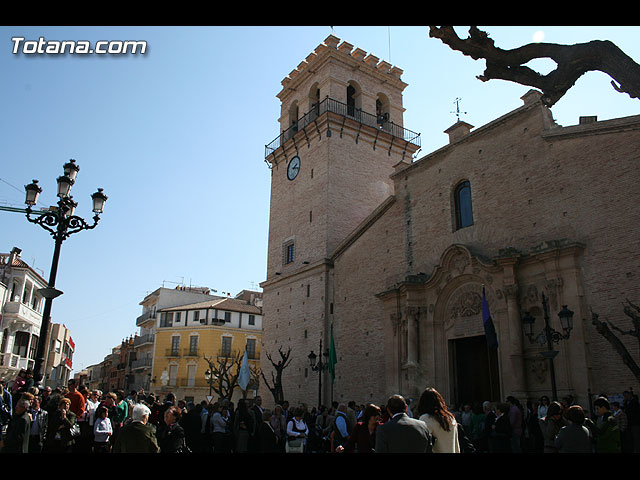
x: 333, y: 359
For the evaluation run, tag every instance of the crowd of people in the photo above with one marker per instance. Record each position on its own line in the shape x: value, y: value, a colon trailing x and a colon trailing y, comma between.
x: 78, y: 420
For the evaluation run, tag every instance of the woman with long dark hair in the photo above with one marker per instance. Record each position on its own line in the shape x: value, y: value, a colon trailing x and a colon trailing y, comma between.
x: 243, y: 427
x: 441, y: 422
x: 551, y: 425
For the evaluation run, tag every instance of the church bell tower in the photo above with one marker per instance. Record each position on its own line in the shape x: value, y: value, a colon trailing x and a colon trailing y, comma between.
x: 342, y: 136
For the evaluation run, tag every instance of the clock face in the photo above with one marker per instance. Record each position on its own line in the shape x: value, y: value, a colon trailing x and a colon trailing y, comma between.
x: 293, y: 168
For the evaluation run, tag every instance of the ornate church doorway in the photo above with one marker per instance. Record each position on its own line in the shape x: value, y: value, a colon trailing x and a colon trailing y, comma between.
x: 474, y: 371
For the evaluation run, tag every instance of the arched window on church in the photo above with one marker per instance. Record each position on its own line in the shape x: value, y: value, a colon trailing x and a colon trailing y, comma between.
x: 293, y: 116
x: 382, y: 111
x: 463, y: 210
x: 293, y: 121
x: 351, y: 100
x: 354, y: 100
x: 314, y: 101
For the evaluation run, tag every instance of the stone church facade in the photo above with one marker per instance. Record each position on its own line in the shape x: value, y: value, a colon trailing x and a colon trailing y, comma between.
x: 393, y: 253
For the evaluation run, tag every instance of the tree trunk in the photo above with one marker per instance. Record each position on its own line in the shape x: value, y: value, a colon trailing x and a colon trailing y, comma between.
x: 604, y: 330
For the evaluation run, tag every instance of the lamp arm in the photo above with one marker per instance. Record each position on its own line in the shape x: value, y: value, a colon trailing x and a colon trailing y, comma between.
x: 76, y: 224
x: 557, y: 336
x: 49, y: 221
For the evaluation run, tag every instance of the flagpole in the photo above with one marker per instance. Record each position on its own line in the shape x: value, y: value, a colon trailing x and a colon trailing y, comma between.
x: 332, y: 360
x: 490, y: 359
x: 490, y: 334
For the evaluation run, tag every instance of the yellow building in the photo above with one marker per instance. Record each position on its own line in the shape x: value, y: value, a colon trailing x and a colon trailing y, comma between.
x: 192, y: 340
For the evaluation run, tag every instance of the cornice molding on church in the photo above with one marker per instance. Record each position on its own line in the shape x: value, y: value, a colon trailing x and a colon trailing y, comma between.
x: 595, y: 128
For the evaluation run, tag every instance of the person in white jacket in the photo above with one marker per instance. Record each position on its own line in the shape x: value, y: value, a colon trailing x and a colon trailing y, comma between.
x: 102, y: 431
x: 441, y: 422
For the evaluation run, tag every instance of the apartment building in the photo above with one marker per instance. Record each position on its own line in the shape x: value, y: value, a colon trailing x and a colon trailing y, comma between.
x: 143, y: 343
x: 190, y: 336
x: 59, y: 357
x: 21, y: 313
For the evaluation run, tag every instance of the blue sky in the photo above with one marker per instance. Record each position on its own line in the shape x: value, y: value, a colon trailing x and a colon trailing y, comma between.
x: 176, y: 138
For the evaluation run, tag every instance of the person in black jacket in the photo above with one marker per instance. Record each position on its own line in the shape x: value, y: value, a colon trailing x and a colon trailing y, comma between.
x: 501, y: 430
x: 39, y: 425
x: 171, y: 436
x: 61, y: 421
x: 267, y: 439
x: 16, y: 439
x: 631, y: 406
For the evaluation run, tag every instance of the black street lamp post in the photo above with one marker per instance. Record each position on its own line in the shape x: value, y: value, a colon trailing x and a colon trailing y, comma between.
x: 318, y: 365
x: 60, y: 222
x: 211, y: 379
x: 549, y: 336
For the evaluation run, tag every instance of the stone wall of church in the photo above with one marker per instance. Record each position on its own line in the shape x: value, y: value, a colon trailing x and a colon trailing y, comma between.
x: 530, y: 187
x: 362, y: 330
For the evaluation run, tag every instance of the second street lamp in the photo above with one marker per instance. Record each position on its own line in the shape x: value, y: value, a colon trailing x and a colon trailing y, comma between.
x: 60, y: 221
x: 549, y: 336
x: 319, y: 367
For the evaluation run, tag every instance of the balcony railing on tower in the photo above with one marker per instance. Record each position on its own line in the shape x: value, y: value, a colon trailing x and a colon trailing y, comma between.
x: 380, y: 122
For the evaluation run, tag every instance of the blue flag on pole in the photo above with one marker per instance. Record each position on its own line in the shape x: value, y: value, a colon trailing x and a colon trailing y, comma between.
x: 489, y: 328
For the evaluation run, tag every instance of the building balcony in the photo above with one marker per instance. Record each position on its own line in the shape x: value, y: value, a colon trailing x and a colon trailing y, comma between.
x: 193, y: 382
x: 223, y: 353
x: 145, y: 317
x: 190, y: 352
x: 18, y: 311
x: 143, y: 340
x: 380, y: 123
x: 141, y: 364
x: 10, y: 360
x: 172, y: 352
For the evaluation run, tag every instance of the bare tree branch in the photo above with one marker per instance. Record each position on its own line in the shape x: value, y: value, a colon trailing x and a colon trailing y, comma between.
x: 572, y: 62
x: 227, y: 371
x: 276, y: 385
x: 604, y: 330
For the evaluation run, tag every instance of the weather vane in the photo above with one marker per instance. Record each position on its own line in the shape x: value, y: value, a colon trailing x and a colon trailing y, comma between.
x: 458, y: 112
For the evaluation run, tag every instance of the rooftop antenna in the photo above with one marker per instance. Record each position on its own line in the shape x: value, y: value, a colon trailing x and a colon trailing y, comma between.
x: 458, y: 112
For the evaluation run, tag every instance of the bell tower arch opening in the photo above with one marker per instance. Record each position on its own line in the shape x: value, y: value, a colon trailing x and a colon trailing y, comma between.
x: 354, y: 98
x: 314, y: 100
x: 293, y: 117
x: 383, y: 111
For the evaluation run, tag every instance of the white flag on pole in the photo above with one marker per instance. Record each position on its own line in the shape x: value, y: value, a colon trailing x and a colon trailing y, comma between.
x: 243, y: 378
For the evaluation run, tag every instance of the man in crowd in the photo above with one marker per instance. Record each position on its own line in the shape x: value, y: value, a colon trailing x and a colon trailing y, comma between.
x: 39, y: 426
x: 402, y: 434
x: 631, y: 407
x: 139, y: 436
x: 16, y: 439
